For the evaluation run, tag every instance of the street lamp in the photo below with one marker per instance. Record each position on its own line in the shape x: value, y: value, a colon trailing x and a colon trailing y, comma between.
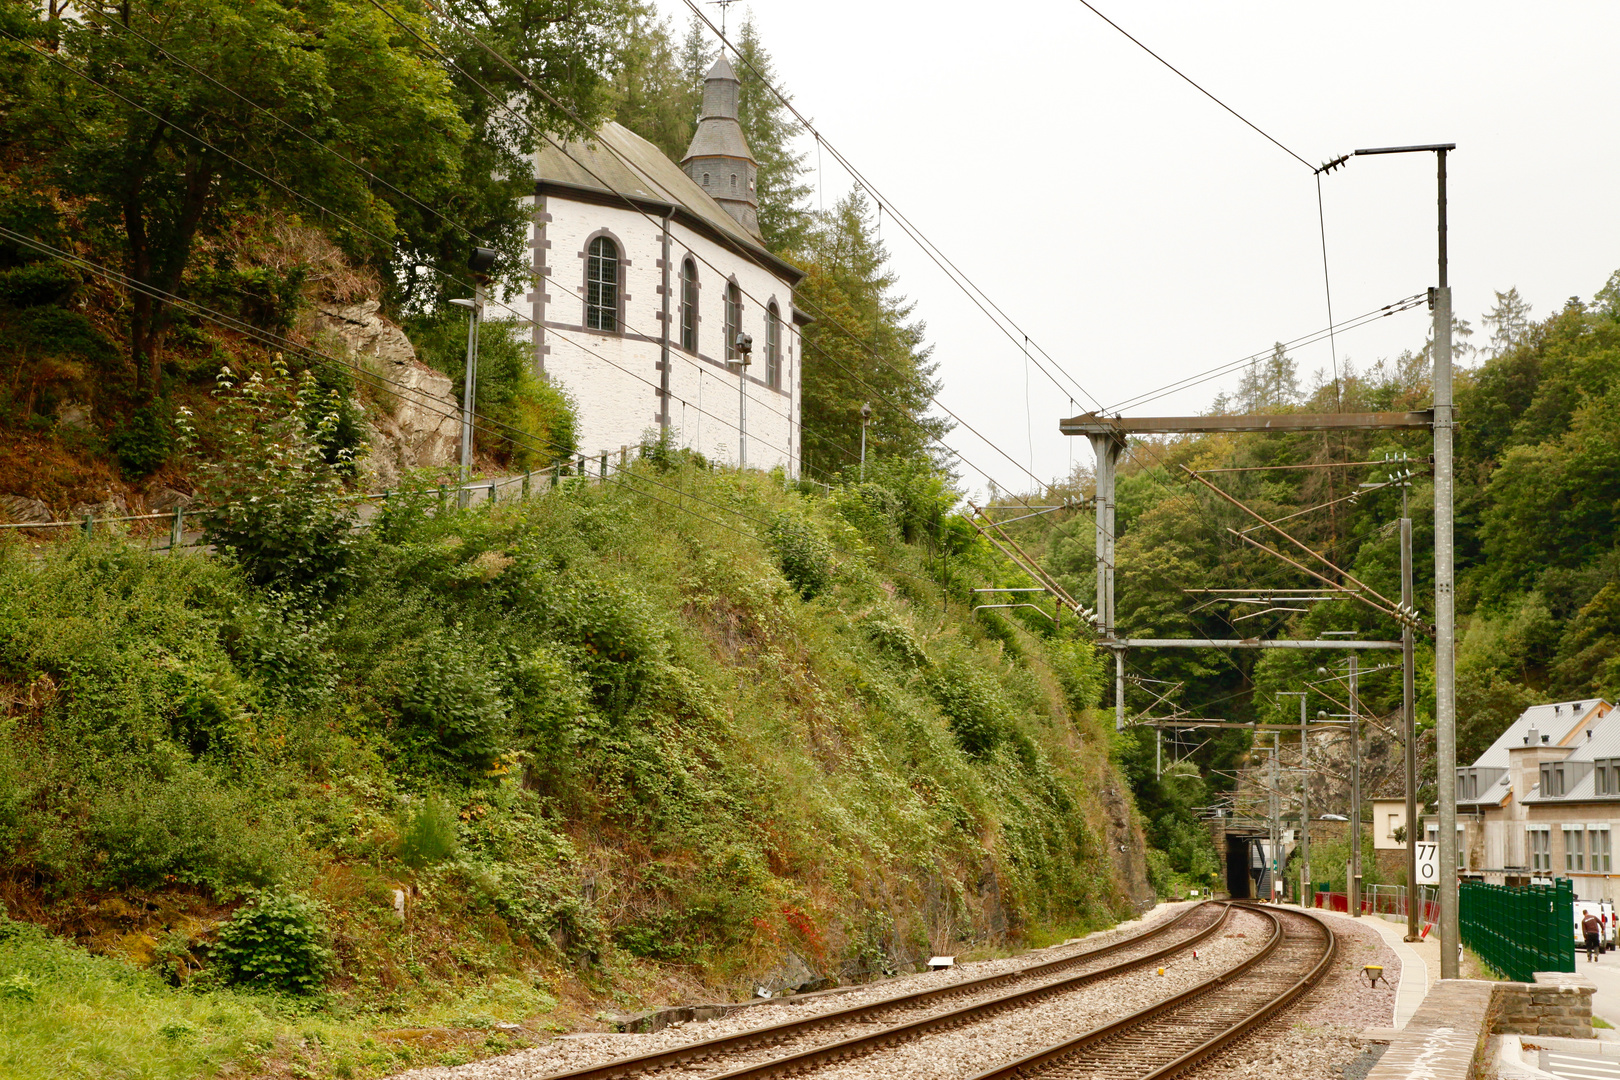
x: 866, y: 416
x: 479, y: 263
x: 745, y: 349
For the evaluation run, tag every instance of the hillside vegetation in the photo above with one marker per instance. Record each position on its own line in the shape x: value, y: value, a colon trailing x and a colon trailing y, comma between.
x: 1538, y: 574
x: 670, y: 736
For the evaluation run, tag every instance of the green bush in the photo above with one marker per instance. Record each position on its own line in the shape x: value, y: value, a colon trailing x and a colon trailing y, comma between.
x: 55, y: 331
x: 143, y: 442
x: 453, y: 709
x: 37, y: 284
x: 188, y: 828
x: 262, y: 295
x: 972, y: 706
x: 804, y: 557
x: 271, y: 500
x: 278, y: 943
x: 428, y: 834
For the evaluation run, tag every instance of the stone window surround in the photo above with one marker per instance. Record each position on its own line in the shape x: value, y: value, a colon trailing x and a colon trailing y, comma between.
x: 774, y: 367
x: 623, y: 294
x: 688, y: 260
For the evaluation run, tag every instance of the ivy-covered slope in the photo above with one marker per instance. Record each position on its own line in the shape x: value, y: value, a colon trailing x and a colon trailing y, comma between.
x: 676, y: 729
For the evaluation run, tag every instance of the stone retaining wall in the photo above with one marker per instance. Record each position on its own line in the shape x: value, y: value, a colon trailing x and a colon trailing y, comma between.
x: 1557, y: 1003
x: 1445, y: 1037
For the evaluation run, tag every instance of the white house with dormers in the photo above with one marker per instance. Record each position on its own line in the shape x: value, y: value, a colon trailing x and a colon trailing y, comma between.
x: 645, y: 273
x: 1544, y: 799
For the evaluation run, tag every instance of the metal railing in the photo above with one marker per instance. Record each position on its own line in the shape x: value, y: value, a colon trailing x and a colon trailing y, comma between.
x: 597, y: 468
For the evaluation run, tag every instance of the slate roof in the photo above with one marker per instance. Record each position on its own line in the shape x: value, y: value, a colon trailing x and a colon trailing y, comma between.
x: 646, y: 173
x: 1555, y: 719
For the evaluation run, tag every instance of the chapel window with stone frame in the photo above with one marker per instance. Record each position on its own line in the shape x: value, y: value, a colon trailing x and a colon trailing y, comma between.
x: 733, y: 320
x: 602, y: 286
x: 689, y: 306
x: 773, y: 347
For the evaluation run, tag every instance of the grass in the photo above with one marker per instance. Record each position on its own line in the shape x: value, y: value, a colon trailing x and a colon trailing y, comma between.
x: 1599, y: 1022
x: 666, y: 770
x: 66, y: 1013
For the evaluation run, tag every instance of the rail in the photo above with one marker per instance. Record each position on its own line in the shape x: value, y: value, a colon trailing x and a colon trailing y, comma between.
x: 1151, y: 1038
x: 772, y: 1034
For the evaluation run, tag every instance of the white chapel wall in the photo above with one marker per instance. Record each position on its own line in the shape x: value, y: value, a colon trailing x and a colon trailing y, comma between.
x: 613, y: 377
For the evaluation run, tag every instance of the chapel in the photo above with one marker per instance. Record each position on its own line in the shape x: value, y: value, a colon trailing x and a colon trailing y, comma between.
x: 645, y: 275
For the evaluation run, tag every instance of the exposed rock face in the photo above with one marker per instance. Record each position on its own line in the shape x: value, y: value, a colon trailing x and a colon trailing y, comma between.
x: 421, y: 427
x: 23, y: 510
x: 367, y: 333
x: 168, y: 499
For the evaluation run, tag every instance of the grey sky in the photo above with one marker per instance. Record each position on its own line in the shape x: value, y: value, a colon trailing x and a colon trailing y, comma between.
x: 1139, y: 233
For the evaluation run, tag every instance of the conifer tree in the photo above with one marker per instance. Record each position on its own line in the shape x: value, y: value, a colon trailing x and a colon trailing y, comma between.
x: 784, y: 217
x: 654, y: 94
x: 861, y: 349
x: 1508, y: 321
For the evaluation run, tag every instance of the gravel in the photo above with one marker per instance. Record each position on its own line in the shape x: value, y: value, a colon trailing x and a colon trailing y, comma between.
x: 1321, y: 1035
x: 1087, y: 1006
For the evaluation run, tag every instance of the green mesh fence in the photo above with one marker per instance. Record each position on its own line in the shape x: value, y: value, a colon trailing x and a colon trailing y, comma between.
x: 1521, y: 929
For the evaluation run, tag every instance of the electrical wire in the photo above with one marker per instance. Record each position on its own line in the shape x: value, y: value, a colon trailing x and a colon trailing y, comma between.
x: 821, y: 315
x: 1189, y: 81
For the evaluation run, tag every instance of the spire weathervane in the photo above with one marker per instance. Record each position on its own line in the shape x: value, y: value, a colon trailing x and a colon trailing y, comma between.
x: 722, y: 5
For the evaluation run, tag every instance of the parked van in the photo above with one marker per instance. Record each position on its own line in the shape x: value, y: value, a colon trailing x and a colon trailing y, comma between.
x: 1604, y: 910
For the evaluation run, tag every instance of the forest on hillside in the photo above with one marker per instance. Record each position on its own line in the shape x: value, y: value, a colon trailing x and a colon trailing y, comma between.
x: 338, y: 800
x: 1538, y: 569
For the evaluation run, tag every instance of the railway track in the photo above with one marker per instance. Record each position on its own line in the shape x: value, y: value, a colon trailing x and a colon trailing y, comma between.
x: 908, y: 1016
x: 1167, y: 1038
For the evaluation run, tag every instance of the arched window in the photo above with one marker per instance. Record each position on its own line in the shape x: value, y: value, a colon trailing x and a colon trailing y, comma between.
x: 733, y: 181
x: 602, y: 286
x: 689, y: 306
x: 773, y: 347
x: 705, y: 181
x: 733, y: 319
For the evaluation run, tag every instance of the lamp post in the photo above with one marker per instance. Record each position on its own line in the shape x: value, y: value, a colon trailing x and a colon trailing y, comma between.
x: 745, y: 348
x: 1304, y: 798
x: 1445, y: 627
x: 866, y: 416
x: 479, y: 263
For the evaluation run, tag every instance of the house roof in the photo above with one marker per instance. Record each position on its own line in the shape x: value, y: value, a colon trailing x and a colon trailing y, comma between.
x: 619, y: 165
x: 1557, y: 720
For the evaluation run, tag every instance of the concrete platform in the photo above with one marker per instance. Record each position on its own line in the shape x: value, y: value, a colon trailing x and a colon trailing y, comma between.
x: 1420, y: 963
x: 1442, y: 1037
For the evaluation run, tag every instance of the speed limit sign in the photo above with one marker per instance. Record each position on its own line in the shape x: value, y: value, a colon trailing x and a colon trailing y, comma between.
x: 1428, y: 864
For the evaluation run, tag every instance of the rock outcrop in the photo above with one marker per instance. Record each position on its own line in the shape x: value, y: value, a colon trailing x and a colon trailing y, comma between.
x: 419, y: 424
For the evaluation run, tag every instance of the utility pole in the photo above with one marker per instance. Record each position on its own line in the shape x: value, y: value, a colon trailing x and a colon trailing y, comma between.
x: 1353, y: 886
x: 1445, y: 626
x: 866, y: 417
x: 1409, y: 727
x: 479, y: 263
x: 745, y: 348
x: 1304, y: 798
x: 1276, y: 823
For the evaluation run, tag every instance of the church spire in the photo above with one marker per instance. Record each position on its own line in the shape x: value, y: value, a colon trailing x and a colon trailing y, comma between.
x: 719, y: 159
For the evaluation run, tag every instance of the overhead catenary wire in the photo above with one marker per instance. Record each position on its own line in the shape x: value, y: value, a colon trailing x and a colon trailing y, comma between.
x: 978, y: 296
x: 355, y: 225
x: 512, y: 434
x: 822, y: 315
